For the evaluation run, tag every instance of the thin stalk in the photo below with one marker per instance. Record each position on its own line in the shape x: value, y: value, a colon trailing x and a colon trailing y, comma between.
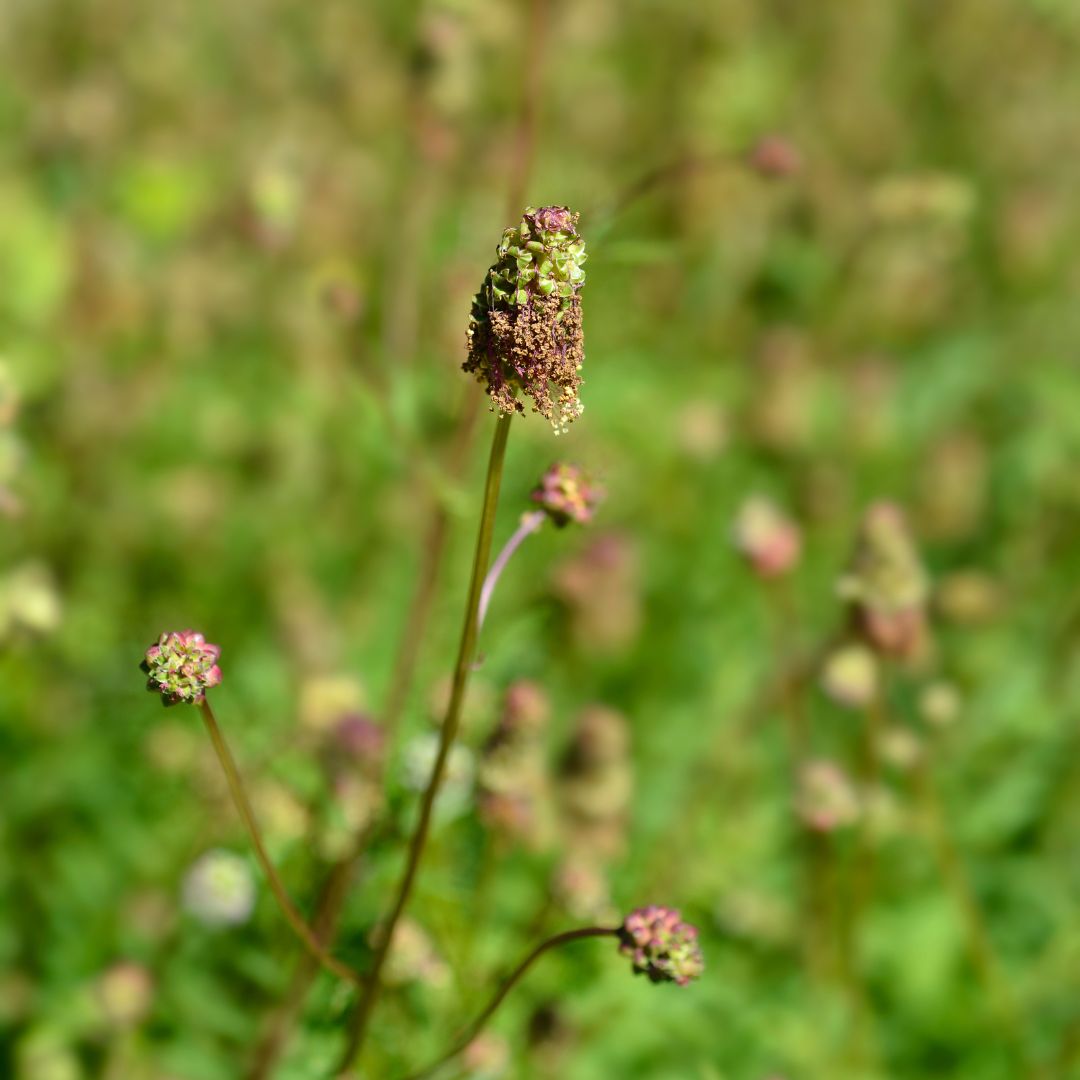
x: 860, y: 882
x: 815, y: 852
x: 466, y: 652
x: 954, y: 875
x: 272, y: 1041
x: 957, y: 882
x: 331, y: 904
x: 243, y: 805
x: 530, y: 523
x: 508, y: 984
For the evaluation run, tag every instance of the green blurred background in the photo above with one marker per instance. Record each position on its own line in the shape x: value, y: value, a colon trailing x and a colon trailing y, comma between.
x: 238, y: 243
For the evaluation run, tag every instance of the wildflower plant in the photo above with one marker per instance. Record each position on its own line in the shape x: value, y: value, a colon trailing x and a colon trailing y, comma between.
x: 524, y: 340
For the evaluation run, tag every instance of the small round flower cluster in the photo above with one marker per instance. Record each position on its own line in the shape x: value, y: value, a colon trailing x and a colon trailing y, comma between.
x: 524, y: 332
x: 565, y: 494
x: 661, y: 945
x: 182, y: 666
x: 826, y: 799
x: 767, y: 538
x: 219, y: 890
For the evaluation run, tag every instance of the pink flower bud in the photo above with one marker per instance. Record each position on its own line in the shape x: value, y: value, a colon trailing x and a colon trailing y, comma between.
x: 768, y: 539
x: 182, y: 666
x: 566, y: 495
x: 661, y: 946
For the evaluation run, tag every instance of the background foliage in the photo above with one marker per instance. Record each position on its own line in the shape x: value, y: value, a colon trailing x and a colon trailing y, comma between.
x: 237, y: 251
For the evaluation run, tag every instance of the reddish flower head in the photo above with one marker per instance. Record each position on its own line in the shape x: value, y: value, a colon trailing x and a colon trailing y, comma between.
x: 661, y: 945
x: 182, y: 666
x: 566, y: 495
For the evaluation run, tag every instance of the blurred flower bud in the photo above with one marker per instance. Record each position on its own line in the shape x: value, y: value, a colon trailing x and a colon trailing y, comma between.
x: 487, y: 1056
x: 412, y: 957
x: 774, y: 157
x: 954, y: 487
x: 325, y: 700
x: 125, y: 992
x: 581, y: 888
x: 850, y: 676
x: 524, y: 332
x: 886, y: 583
x: 359, y: 741
x: 768, y: 539
x: 566, y: 495
x: 601, y: 738
x: 596, y: 784
x: 701, y: 430
x: 826, y: 798
x: 182, y: 666
x: 219, y: 890
x: 968, y: 598
x: 29, y: 600
x: 514, y: 789
x: 661, y: 946
x: 526, y: 708
x: 900, y: 747
x: 782, y: 415
x: 940, y: 703
x: 601, y: 588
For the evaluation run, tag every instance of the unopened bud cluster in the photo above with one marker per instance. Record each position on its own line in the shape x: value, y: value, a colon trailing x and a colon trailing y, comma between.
x: 182, y: 666
x: 514, y: 791
x: 566, y: 495
x: 596, y: 785
x: 524, y: 334
x: 886, y: 583
x: 766, y: 537
x: 661, y: 946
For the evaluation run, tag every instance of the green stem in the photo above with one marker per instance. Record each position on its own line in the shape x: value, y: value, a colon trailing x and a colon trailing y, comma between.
x: 508, y: 984
x: 277, y: 887
x: 466, y: 652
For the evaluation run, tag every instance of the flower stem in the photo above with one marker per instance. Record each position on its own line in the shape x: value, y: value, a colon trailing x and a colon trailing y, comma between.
x: 243, y: 805
x: 466, y: 651
x: 330, y: 907
x: 508, y: 984
x: 530, y: 523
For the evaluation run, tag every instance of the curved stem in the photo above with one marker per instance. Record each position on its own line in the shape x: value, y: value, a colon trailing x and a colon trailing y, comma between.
x: 508, y: 984
x: 466, y: 651
x: 243, y: 805
x: 530, y: 523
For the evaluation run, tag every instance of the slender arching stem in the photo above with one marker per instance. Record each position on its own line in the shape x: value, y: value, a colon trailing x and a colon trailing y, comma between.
x: 508, y: 984
x: 466, y: 651
x: 529, y: 524
x: 277, y: 887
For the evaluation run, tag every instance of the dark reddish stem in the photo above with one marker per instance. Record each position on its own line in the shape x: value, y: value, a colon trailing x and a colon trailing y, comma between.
x: 508, y: 984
